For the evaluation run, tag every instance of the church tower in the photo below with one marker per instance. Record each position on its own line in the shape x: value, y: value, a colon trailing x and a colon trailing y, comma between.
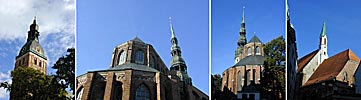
x: 178, y: 65
x: 32, y: 54
x: 323, y: 44
x: 241, y: 40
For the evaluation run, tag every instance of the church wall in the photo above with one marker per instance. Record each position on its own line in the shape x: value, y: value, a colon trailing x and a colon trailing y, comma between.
x: 350, y: 68
x: 357, y: 77
x: 310, y: 68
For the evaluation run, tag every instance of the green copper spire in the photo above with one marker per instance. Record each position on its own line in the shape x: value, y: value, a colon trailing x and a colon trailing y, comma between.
x: 323, y: 32
x: 178, y: 66
x: 171, y: 27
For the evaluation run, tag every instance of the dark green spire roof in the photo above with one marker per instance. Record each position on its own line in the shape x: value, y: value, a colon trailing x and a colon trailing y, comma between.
x: 32, y: 44
x: 323, y: 32
x: 255, y: 39
x: 175, y: 49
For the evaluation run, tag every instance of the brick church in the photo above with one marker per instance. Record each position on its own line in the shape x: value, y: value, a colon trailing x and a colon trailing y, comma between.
x: 242, y: 80
x: 137, y: 72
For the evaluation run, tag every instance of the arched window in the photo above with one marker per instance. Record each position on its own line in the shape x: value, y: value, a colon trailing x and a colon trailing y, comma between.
x: 122, y: 57
x: 247, y: 77
x: 239, y: 81
x: 139, y: 57
x: 258, y: 51
x: 152, y: 62
x: 249, y: 50
x: 324, y: 41
x: 142, y: 93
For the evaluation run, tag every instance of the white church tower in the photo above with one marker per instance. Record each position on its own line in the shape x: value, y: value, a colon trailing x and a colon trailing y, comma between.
x: 323, y: 45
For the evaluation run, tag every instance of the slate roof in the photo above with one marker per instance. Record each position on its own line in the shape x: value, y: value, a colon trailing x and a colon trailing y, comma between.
x: 255, y: 39
x: 331, y: 67
x: 305, y: 59
x: 251, y: 60
x: 137, y: 39
x: 133, y: 66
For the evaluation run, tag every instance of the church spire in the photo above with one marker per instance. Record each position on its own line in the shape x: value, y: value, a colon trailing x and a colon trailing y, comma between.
x: 178, y: 65
x: 33, y: 33
x: 242, y: 38
x: 323, y: 32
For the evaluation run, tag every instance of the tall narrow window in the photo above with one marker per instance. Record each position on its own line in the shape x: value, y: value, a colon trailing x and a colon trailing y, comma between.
x: 249, y: 50
x: 152, y: 62
x: 247, y: 77
x: 254, y: 75
x: 139, y: 57
x: 122, y: 57
x: 239, y: 81
x: 258, y: 51
x: 142, y: 93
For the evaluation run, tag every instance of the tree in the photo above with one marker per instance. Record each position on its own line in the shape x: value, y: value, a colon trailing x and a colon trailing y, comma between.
x: 31, y: 84
x: 274, y: 67
x: 65, y: 67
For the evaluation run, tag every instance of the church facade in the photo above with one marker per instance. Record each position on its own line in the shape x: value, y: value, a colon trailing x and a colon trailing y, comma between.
x: 137, y: 72
x: 242, y: 80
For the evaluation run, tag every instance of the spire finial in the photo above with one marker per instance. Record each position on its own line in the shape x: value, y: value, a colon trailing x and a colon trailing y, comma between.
x: 171, y: 27
x: 323, y: 32
x: 243, y: 14
x: 34, y: 22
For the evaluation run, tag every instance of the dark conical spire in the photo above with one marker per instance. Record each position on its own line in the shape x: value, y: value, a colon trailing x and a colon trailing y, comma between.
x: 33, y: 33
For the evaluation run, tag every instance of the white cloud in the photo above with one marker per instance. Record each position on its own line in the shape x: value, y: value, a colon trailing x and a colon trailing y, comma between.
x: 53, y: 16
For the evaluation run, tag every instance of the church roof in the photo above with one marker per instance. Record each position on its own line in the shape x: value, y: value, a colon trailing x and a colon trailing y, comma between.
x: 251, y: 60
x: 305, y: 59
x: 133, y: 66
x: 331, y: 67
x: 34, y: 47
x: 255, y: 39
x: 137, y: 39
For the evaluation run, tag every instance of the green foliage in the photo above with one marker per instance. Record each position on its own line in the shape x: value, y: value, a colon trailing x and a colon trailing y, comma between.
x: 218, y: 81
x: 31, y: 84
x: 274, y: 80
x: 275, y: 51
x: 66, y: 69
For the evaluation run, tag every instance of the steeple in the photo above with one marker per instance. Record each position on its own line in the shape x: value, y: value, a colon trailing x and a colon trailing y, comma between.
x: 242, y: 38
x: 32, y: 54
x: 323, y: 44
x: 33, y: 33
x: 178, y: 65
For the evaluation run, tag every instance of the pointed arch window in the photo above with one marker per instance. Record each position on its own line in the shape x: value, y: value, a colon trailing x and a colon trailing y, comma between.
x: 139, y: 57
x: 122, y: 57
x: 152, y: 62
x: 239, y: 81
x: 249, y: 50
x: 142, y: 93
x: 258, y: 50
x: 247, y: 77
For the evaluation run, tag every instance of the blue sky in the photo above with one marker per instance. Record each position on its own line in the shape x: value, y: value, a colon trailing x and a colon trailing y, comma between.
x: 102, y: 25
x: 56, y: 20
x: 265, y: 17
x: 343, y: 22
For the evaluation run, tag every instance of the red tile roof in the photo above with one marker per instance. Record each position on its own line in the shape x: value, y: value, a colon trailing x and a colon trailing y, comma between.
x: 332, y: 66
x: 305, y: 59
